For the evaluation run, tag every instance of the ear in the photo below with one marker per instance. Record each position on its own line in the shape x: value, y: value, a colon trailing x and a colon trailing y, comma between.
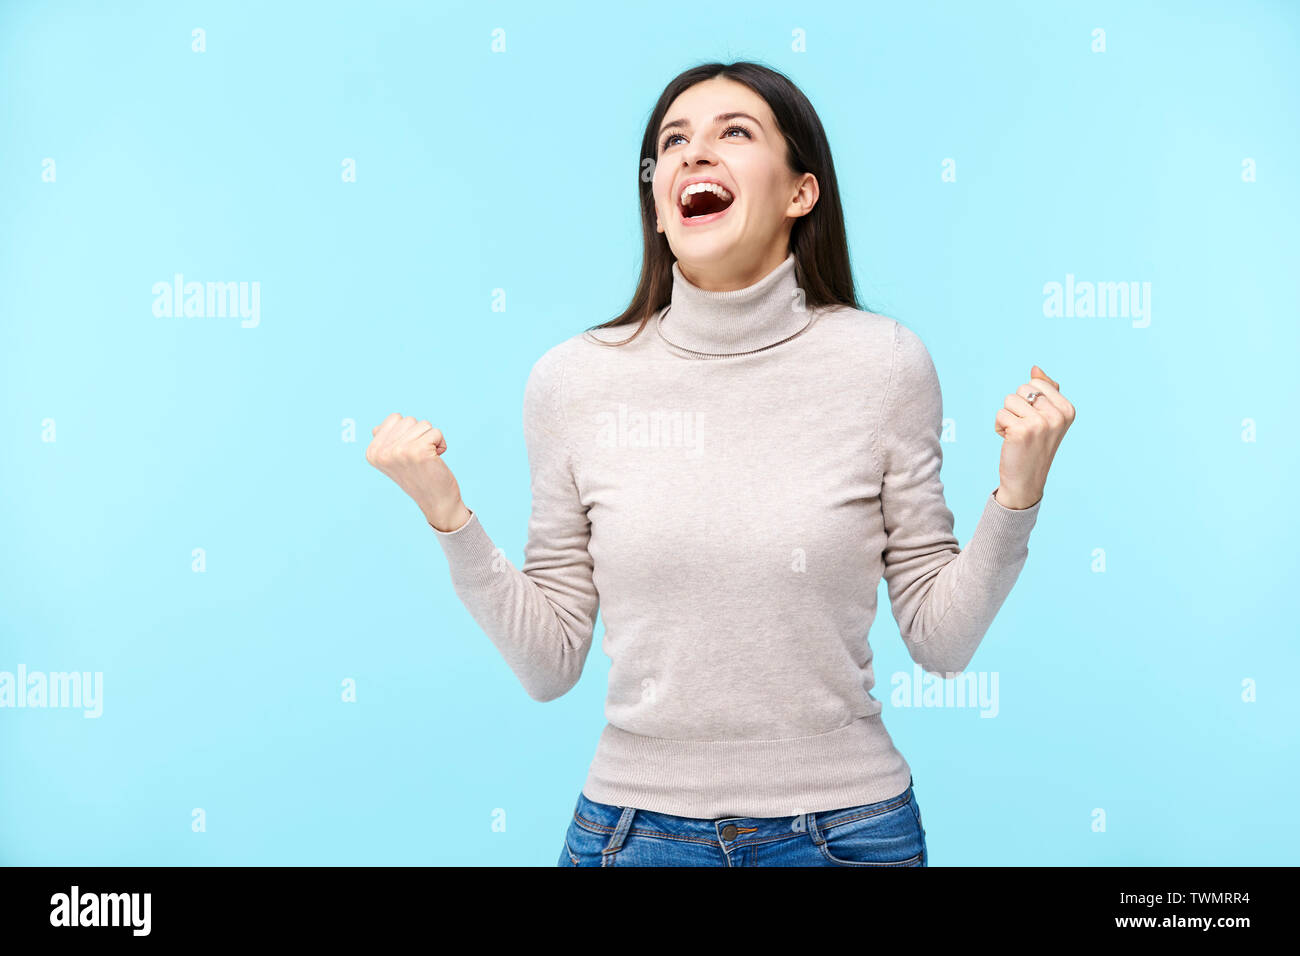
x: 808, y: 193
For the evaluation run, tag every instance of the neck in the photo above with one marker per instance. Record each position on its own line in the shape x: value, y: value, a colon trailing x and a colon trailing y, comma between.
x: 739, y: 320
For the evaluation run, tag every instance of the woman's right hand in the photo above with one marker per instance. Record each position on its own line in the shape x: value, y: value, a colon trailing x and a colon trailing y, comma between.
x: 408, y: 451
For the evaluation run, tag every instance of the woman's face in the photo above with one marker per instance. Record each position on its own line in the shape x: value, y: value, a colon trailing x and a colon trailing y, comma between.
x: 745, y: 155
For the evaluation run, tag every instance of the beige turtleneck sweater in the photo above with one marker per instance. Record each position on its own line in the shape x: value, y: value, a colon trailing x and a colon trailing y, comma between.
x: 728, y: 489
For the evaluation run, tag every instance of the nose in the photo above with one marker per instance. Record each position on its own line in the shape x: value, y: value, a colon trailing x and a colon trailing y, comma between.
x: 697, y: 152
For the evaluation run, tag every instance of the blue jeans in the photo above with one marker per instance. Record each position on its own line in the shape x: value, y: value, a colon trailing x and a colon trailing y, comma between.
x: 888, y: 833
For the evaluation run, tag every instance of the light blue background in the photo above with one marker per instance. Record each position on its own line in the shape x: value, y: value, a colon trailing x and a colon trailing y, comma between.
x: 477, y: 171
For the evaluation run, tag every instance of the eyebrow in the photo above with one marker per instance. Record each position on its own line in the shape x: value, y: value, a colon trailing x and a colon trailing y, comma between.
x: 720, y: 118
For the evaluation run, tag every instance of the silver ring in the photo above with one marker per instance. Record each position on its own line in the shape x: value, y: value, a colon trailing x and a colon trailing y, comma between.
x: 1031, y: 396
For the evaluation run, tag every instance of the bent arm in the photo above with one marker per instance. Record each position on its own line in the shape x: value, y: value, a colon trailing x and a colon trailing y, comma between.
x: 540, y: 615
x: 944, y: 598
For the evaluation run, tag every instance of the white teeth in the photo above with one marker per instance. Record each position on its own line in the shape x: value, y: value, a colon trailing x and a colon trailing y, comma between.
x: 691, y: 190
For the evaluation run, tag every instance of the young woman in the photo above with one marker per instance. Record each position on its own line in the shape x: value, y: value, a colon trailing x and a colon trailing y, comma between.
x: 728, y: 484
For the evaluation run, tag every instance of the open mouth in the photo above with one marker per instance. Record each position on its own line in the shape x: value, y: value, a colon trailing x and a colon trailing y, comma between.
x: 704, y: 199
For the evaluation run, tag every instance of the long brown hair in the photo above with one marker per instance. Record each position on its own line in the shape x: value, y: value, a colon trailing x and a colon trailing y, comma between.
x: 818, y: 240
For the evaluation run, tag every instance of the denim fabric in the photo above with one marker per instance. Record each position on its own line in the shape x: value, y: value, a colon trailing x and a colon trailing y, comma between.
x: 888, y: 833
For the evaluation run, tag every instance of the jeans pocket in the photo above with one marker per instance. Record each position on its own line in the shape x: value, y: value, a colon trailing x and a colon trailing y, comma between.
x: 567, y: 856
x: 876, y: 834
x: 916, y: 809
x: 590, y: 837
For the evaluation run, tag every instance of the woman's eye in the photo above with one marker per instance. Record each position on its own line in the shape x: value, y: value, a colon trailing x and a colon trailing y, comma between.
x: 668, y: 140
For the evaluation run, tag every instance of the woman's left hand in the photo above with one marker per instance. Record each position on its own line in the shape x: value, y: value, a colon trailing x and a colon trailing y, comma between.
x: 1031, y: 434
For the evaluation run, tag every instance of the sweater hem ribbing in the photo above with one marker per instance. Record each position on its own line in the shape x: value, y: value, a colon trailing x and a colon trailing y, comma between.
x: 711, y: 779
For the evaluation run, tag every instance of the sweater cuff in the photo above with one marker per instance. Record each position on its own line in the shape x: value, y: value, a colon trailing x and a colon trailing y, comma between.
x: 470, y: 552
x: 1002, y: 533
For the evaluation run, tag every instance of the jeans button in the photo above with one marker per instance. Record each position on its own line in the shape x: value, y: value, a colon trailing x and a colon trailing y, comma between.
x: 729, y: 832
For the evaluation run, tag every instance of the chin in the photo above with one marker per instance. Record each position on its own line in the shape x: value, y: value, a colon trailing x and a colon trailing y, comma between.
x: 704, y: 247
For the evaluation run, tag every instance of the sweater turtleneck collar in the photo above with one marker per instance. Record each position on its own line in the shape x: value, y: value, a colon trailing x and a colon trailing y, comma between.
x: 741, y: 320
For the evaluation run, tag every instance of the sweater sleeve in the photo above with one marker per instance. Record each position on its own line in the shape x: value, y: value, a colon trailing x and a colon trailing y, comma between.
x: 943, y: 598
x: 540, y: 616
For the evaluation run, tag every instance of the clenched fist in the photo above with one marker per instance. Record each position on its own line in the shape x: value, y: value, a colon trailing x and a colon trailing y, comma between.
x: 1032, y: 423
x: 408, y: 451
